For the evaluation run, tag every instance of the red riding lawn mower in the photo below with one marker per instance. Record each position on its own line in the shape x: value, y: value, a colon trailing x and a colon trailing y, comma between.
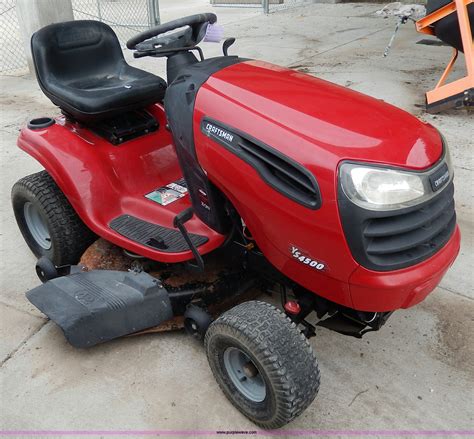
x: 237, y: 176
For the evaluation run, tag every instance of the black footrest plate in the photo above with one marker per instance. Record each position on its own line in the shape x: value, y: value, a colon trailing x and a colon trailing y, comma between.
x: 100, y: 305
x: 154, y: 236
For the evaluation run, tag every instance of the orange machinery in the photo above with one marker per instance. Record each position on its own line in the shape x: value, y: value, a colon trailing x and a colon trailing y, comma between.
x: 458, y: 93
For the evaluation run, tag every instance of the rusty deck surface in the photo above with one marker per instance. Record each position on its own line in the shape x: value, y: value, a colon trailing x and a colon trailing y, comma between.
x: 103, y: 255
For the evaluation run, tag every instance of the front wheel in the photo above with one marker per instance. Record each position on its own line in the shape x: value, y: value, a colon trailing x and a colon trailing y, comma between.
x: 48, y: 222
x: 263, y: 364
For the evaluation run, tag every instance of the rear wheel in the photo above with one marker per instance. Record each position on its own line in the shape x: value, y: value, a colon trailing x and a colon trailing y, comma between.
x: 48, y: 222
x: 263, y: 363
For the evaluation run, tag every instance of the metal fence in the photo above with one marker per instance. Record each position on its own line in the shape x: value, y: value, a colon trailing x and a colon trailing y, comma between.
x: 126, y: 17
x: 12, y: 51
x: 242, y: 3
x: 282, y: 5
x: 268, y: 6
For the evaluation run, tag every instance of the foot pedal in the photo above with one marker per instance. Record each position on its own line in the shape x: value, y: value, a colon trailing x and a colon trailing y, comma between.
x: 100, y: 305
x: 153, y: 235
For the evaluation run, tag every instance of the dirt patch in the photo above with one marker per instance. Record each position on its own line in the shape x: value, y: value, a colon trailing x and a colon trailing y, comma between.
x: 455, y: 328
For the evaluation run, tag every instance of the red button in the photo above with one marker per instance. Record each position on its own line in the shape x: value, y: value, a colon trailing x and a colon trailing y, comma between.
x: 292, y: 307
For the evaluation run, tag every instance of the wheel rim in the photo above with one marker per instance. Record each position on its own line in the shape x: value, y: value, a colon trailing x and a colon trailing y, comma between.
x: 37, y: 225
x: 244, y: 374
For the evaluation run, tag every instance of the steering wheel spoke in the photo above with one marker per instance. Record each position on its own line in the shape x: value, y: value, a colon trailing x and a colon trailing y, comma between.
x: 165, y: 52
x: 194, y: 31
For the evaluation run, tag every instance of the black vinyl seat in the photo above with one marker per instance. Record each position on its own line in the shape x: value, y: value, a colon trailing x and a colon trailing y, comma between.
x: 80, y: 66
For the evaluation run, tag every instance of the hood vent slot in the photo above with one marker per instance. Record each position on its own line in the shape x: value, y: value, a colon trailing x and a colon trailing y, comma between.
x: 279, y: 171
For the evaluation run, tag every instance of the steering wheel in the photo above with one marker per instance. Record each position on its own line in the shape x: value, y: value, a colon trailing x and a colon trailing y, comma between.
x: 195, y: 30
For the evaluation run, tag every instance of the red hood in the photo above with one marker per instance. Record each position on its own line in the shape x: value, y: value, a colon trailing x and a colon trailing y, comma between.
x: 313, y: 112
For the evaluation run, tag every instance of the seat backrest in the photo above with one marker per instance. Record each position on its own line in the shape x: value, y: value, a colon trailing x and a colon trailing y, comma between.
x: 75, y: 49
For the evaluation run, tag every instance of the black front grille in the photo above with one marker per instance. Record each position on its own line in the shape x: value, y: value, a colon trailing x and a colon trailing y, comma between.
x: 396, y: 239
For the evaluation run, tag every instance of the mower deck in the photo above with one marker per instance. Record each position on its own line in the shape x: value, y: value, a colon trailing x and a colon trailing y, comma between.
x: 111, y: 294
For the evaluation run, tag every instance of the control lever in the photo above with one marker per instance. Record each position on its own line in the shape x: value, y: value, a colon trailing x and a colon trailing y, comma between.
x: 178, y: 222
x: 227, y: 43
x: 142, y: 54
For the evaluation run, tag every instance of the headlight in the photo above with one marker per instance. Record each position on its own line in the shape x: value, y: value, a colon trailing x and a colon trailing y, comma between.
x: 378, y: 188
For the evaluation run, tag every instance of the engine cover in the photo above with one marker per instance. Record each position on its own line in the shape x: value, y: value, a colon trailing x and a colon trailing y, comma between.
x: 271, y: 140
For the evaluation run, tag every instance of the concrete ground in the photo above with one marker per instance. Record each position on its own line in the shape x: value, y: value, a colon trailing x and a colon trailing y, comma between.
x: 416, y: 373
